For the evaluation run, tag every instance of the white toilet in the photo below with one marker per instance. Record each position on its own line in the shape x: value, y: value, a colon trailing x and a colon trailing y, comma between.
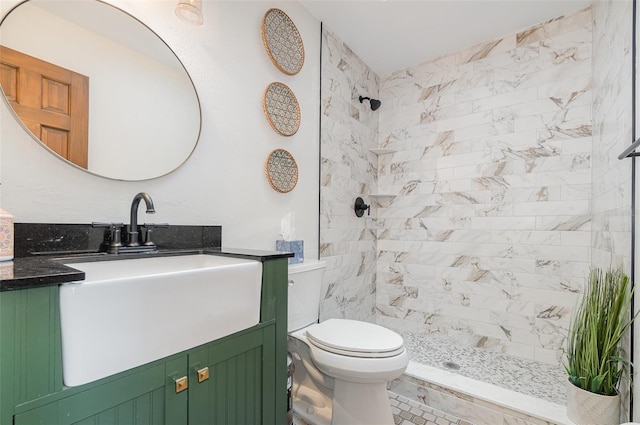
x: 342, y: 367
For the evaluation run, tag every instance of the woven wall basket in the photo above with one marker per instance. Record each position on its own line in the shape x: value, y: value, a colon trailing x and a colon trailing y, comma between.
x: 282, y: 41
x: 281, y: 108
x: 281, y: 170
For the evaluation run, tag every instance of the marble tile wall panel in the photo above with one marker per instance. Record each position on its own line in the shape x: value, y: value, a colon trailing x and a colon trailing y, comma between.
x: 612, y: 126
x: 469, y: 408
x: 612, y: 133
x: 348, y: 170
x: 487, y: 238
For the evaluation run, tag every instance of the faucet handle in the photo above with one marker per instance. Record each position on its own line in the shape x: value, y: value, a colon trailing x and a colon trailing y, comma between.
x: 115, y: 231
x: 154, y: 225
x: 149, y: 227
x: 111, y: 225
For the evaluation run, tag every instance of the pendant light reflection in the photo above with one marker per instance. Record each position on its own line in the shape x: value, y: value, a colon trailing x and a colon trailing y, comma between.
x: 190, y: 11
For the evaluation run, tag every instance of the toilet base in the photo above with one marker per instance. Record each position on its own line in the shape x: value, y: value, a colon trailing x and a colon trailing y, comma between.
x: 311, y: 391
x: 313, y: 415
x: 361, y: 404
x: 352, y: 404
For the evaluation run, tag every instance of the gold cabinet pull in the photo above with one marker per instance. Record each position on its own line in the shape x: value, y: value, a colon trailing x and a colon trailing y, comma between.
x: 203, y: 374
x: 182, y: 384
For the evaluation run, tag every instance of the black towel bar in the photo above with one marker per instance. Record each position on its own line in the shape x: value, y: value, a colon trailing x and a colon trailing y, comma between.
x: 628, y: 152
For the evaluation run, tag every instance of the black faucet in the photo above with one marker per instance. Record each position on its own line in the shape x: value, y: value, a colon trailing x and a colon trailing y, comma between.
x: 133, y: 226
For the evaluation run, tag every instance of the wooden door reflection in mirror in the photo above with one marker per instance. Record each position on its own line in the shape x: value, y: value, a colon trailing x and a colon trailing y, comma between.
x: 53, y: 102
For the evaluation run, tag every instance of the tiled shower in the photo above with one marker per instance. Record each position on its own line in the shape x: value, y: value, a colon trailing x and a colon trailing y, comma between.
x: 500, y: 189
x: 487, y: 237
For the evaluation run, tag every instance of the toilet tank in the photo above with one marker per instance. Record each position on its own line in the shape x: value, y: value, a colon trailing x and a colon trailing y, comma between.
x: 305, y: 282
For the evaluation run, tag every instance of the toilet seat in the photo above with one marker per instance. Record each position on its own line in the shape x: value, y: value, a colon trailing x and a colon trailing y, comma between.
x: 355, y: 339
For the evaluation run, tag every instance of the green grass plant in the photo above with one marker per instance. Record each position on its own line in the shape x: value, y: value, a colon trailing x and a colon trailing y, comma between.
x: 593, y: 355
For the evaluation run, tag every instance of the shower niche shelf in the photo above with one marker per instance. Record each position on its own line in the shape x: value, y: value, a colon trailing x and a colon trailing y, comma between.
x: 382, y: 151
x: 383, y: 200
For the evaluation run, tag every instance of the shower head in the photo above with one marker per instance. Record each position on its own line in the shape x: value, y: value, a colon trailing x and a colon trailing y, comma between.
x: 375, y: 103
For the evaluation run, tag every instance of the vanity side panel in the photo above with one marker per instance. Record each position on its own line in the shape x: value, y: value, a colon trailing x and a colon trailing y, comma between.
x: 275, y: 276
x: 30, y: 349
x: 274, y: 391
x: 274, y: 280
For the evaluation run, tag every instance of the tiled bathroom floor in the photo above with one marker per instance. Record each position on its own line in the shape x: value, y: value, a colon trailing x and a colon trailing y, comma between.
x: 409, y: 412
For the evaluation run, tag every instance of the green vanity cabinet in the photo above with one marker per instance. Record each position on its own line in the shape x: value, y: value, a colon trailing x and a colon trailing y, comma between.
x: 239, y: 379
x: 225, y: 382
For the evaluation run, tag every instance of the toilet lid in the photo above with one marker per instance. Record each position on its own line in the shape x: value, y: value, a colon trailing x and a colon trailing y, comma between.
x: 355, y: 338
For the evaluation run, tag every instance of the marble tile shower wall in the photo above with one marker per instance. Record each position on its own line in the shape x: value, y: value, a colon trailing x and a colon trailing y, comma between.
x: 612, y: 133
x: 612, y: 124
x: 348, y: 170
x: 487, y: 237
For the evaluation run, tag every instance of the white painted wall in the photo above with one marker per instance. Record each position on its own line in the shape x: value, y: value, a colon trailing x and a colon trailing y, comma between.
x: 223, y: 183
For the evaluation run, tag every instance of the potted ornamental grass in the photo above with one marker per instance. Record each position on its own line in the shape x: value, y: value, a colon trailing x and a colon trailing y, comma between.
x: 594, y: 359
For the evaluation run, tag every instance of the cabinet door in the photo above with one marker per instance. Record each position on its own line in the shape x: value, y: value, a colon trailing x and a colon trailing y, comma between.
x: 239, y: 388
x: 177, y: 391
x: 137, y: 399
x: 30, y: 353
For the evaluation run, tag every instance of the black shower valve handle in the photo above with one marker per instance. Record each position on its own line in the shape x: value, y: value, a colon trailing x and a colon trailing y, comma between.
x: 359, y: 207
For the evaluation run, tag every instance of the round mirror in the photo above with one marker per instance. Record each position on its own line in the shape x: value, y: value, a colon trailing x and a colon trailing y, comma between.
x: 98, y: 88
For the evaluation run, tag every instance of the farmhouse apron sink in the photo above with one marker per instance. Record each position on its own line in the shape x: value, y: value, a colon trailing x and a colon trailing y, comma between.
x: 130, y: 312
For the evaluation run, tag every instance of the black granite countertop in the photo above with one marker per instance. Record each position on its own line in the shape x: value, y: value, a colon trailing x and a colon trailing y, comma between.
x: 31, y: 272
x: 36, y: 271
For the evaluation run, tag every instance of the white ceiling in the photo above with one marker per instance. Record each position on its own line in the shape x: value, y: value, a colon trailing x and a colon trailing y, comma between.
x: 390, y: 35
